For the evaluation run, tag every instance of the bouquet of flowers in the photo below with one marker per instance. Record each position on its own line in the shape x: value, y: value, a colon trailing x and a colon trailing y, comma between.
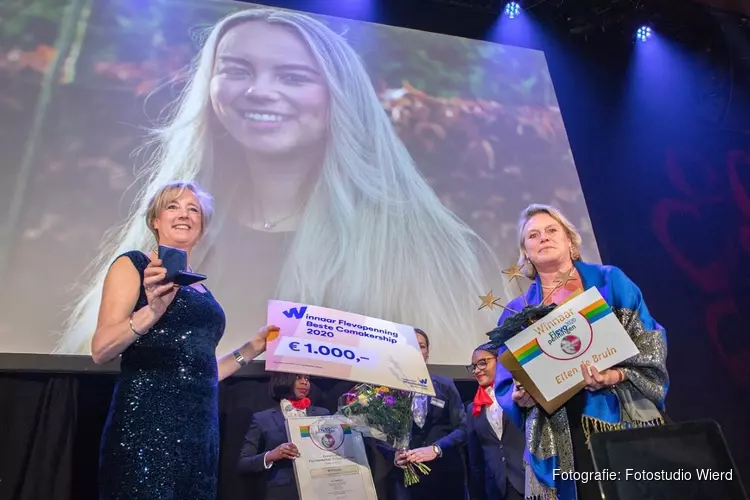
x: 384, y: 414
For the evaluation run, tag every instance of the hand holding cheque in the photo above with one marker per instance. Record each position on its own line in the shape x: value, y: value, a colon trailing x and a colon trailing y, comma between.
x: 346, y: 346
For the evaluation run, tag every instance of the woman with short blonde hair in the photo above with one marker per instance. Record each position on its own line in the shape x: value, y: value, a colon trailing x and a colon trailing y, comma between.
x: 161, y: 438
x: 570, y: 230
x: 628, y: 395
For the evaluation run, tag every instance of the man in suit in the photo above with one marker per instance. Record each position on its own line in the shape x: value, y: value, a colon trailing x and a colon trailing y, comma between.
x: 437, y: 439
x: 495, y: 444
x: 267, y: 452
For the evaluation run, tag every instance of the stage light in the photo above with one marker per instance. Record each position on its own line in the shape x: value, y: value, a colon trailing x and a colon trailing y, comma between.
x: 512, y: 10
x: 643, y: 33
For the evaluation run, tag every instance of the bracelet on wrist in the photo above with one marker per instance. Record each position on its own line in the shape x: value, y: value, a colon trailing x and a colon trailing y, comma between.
x: 239, y: 358
x: 132, y: 328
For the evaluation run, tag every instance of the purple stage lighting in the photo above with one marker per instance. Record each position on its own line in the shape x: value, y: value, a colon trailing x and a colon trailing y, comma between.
x: 643, y: 33
x: 512, y: 10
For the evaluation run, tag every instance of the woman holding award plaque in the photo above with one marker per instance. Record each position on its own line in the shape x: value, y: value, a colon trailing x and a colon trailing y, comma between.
x: 629, y: 395
x: 267, y: 449
x: 161, y: 439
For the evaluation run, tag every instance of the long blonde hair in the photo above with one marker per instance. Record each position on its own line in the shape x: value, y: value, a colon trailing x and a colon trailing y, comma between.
x: 373, y: 239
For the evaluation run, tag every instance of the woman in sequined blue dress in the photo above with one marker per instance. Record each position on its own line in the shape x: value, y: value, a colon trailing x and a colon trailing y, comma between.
x: 161, y: 439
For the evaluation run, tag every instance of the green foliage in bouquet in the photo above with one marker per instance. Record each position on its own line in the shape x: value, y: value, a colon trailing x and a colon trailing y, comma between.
x: 386, y: 415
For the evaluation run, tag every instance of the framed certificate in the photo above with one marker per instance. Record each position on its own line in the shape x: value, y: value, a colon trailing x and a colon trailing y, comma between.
x: 332, y: 462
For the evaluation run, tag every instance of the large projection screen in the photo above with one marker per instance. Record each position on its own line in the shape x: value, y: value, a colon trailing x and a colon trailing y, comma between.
x: 391, y: 163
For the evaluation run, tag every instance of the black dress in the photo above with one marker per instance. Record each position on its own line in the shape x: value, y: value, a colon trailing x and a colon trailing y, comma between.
x: 161, y: 439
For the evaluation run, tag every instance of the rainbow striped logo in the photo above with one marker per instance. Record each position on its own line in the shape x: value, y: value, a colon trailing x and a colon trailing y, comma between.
x: 595, y: 311
x: 527, y: 352
x: 304, y: 430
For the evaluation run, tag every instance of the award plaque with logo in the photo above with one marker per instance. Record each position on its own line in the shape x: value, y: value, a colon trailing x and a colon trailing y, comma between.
x: 332, y: 462
x: 546, y: 356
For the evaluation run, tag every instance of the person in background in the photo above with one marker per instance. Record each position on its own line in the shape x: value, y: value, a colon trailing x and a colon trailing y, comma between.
x: 495, y: 445
x: 437, y: 439
x: 161, y: 438
x: 630, y: 394
x: 267, y: 449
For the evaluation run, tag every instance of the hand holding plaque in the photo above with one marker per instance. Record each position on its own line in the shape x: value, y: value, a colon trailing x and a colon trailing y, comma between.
x: 553, y: 351
x: 331, y: 461
x: 287, y: 451
x: 521, y: 397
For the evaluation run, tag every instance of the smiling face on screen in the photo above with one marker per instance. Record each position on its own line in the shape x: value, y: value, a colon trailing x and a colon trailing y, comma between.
x: 268, y: 91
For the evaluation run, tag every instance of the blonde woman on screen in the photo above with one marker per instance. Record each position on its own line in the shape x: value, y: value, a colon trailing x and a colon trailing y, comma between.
x: 280, y: 119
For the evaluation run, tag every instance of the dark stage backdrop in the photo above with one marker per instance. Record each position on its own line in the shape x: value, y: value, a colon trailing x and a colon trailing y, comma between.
x: 668, y: 190
x: 50, y: 428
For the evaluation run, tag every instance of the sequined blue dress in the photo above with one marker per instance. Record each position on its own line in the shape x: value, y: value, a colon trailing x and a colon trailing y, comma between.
x: 161, y: 439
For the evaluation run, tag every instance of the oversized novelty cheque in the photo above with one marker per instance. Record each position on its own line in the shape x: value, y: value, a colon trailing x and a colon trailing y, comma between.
x: 332, y: 462
x: 325, y: 342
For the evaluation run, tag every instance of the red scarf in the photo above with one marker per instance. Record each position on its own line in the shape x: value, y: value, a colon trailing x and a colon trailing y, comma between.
x: 481, y: 398
x: 300, y: 404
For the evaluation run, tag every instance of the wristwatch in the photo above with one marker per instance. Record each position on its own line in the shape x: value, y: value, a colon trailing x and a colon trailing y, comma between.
x: 437, y: 450
x: 239, y: 357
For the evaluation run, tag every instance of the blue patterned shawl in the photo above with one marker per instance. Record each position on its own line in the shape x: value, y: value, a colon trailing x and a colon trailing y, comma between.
x: 634, y: 403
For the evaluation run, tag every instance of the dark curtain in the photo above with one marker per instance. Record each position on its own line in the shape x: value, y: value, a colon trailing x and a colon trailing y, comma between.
x: 50, y: 426
x: 238, y: 401
x: 38, y: 420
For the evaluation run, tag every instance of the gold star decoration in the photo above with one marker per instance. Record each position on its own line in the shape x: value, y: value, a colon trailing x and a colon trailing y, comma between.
x: 563, y: 278
x: 488, y: 301
x: 491, y: 301
x: 514, y: 272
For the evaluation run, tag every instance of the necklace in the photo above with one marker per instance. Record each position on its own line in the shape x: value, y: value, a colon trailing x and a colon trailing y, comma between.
x: 267, y: 224
x: 270, y: 224
x: 562, y: 279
